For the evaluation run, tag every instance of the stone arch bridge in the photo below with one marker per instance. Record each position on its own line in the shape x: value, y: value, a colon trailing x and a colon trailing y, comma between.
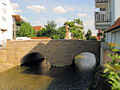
x: 57, y: 51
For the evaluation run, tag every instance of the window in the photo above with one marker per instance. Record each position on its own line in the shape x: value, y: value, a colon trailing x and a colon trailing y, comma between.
x: 4, y: 10
x: 4, y: 4
x: 3, y: 18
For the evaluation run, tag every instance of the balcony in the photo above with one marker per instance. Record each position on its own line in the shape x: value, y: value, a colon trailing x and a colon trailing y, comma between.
x: 102, y: 20
x: 101, y: 3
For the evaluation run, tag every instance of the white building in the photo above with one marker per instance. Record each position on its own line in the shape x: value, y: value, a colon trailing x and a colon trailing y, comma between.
x: 6, y: 20
x: 107, y: 19
x: 113, y: 33
x: 115, y: 10
x: 108, y: 12
x: 102, y: 14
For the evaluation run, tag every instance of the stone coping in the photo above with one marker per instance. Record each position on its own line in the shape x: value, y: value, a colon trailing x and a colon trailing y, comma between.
x: 54, y: 40
x: 2, y: 48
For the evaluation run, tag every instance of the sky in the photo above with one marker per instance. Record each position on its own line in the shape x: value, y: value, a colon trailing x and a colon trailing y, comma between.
x: 38, y: 12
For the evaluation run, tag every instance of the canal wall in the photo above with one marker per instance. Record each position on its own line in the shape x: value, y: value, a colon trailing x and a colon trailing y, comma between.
x: 105, y: 51
x: 58, y: 52
x: 2, y: 54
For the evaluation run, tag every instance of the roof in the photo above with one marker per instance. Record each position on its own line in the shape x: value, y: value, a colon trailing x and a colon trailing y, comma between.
x: 17, y: 17
x: 115, y: 25
x: 37, y: 27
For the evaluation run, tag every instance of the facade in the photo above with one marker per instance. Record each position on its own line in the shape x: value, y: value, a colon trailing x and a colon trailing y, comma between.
x: 109, y: 12
x: 113, y: 33
x: 6, y: 20
x: 115, y: 10
x: 103, y: 15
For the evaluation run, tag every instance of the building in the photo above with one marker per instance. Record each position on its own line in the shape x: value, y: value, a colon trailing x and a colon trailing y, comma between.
x: 113, y: 33
x: 37, y: 28
x: 102, y: 16
x: 109, y: 11
x: 115, y: 10
x: 6, y: 20
x: 16, y: 18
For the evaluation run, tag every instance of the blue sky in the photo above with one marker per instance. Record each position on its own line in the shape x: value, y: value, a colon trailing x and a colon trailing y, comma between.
x: 38, y: 12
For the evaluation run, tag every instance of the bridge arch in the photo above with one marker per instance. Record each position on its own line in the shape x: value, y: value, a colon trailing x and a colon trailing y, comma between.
x: 85, y: 61
x: 57, y: 51
x: 35, y: 63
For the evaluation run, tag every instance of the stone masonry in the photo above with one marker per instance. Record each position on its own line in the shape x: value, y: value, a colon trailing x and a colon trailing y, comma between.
x: 56, y: 51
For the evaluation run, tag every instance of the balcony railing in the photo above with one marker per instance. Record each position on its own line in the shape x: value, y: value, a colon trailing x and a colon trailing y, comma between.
x: 102, y: 20
x: 102, y: 16
x: 101, y: 1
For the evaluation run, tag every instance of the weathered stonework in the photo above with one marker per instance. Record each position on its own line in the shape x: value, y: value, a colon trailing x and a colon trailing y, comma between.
x: 2, y: 54
x: 57, y: 51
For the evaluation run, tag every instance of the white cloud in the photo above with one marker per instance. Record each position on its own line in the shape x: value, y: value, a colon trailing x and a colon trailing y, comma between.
x: 62, y: 10
x: 82, y: 15
x: 16, y: 7
x: 37, y: 8
x: 89, y: 25
x: 70, y: 9
x: 61, y: 20
x: 41, y: 21
x: 59, y: 10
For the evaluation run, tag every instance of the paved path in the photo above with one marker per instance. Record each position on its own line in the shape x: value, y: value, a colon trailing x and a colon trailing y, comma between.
x: 5, y: 66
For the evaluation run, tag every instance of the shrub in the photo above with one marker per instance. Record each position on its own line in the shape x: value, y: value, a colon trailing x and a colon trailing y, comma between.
x: 112, y: 69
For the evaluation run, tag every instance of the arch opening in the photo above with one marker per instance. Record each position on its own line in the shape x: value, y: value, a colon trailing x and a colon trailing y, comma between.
x: 35, y: 63
x: 85, y: 61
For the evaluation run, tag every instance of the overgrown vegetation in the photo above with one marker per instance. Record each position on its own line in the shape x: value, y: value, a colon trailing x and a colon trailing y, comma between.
x: 89, y: 36
x: 112, y: 69
x: 108, y: 78
x: 50, y: 30
x: 26, y: 30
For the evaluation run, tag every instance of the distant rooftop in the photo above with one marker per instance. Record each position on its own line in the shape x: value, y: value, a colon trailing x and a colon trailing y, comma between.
x: 17, y: 17
x: 37, y: 28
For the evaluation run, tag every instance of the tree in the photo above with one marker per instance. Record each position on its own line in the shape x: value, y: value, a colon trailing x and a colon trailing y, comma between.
x: 26, y: 30
x: 61, y: 32
x: 51, y: 31
x: 93, y: 38
x: 88, y: 35
x: 76, y: 28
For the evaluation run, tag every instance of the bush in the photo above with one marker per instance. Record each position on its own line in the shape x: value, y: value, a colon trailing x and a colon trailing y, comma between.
x: 112, y: 69
x: 93, y: 38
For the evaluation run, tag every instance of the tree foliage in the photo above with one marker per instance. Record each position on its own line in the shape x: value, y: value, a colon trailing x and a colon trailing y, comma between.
x: 112, y: 69
x: 88, y: 35
x: 76, y: 28
x: 50, y: 30
x: 26, y: 30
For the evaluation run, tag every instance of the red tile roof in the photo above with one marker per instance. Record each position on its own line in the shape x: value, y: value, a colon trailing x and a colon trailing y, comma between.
x: 17, y: 17
x: 37, y: 28
x: 41, y: 38
x: 115, y: 25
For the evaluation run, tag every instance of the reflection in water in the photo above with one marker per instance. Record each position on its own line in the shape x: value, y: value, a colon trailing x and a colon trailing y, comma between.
x: 35, y: 63
x: 66, y: 78
x: 85, y: 61
x: 77, y: 77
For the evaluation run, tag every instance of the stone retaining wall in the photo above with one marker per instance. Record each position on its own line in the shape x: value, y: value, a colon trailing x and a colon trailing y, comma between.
x: 2, y: 54
x: 57, y: 51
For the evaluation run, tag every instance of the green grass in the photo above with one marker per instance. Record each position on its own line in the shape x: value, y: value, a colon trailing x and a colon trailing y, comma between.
x: 13, y: 79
